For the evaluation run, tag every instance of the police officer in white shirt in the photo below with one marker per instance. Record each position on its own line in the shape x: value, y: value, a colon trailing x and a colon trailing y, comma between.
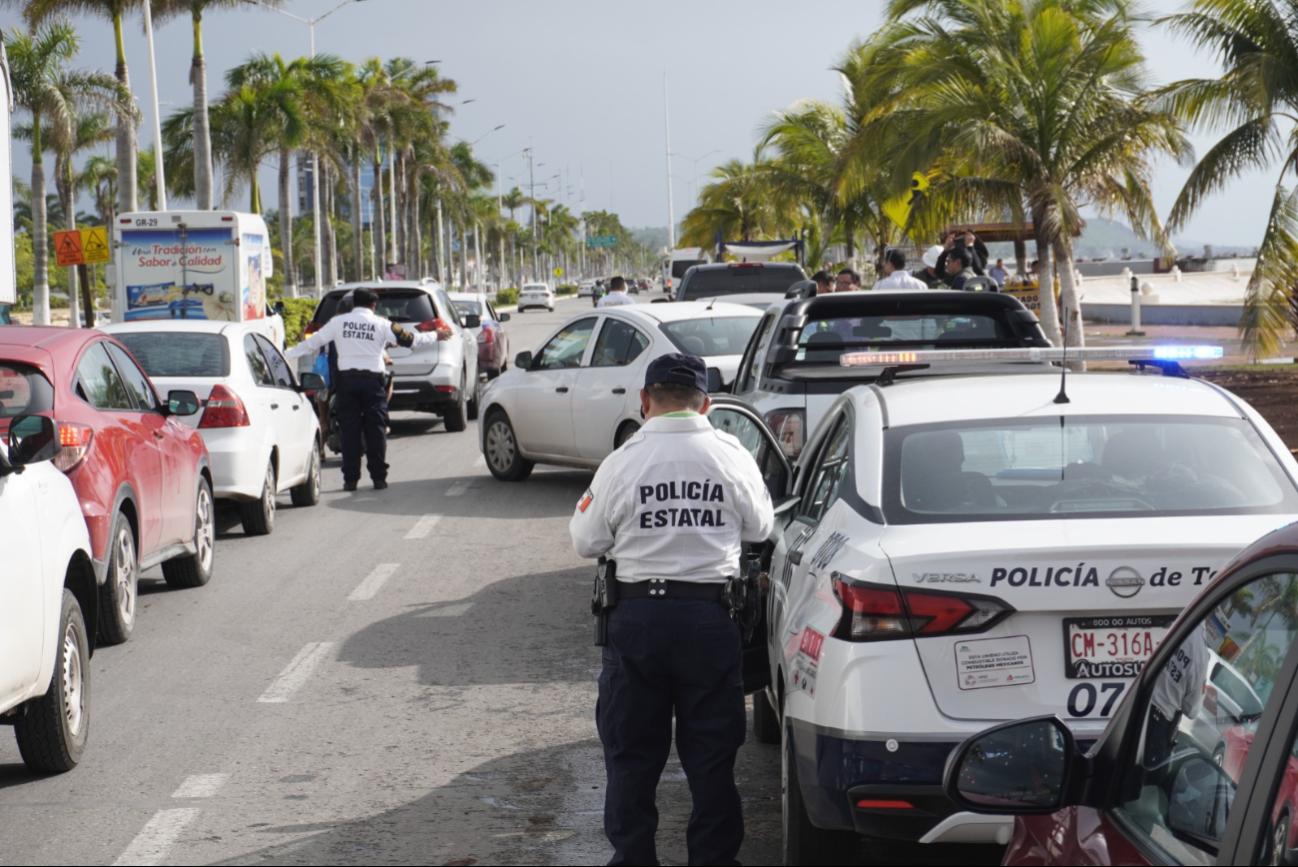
x: 672, y: 508
x: 616, y: 296
x: 361, y: 337
x: 1178, y: 693
x: 894, y: 265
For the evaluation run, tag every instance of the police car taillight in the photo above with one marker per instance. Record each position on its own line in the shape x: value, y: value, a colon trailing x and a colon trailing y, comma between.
x: 878, y: 612
x: 431, y: 325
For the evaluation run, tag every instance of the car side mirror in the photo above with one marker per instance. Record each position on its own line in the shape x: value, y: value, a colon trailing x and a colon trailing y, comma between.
x: 279, y: 307
x: 183, y: 403
x: 472, y: 320
x: 504, y: 317
x: 523, y: 361
x: 1202, y: 795
x: 1022, y: 768
x: 715, y: 383
x: 311, y: 382
x: 32, y: 439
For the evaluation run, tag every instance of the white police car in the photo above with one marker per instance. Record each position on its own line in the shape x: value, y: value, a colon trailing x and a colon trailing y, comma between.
x: 964, y: 549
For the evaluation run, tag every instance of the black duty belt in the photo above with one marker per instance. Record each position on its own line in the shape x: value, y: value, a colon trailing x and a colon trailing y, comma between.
x: 363, y: 374
x: 661, y: 588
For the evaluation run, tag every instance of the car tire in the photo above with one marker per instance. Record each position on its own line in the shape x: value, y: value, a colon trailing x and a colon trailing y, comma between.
x: 472, y: 409
x: 766, y: 722
x: 624, y: 433
x: 308, y: 493
x: 195, y: 570
x: 504, y: 459
x: 258, y: 516
x: 804, y: 843
x: 53, y: 730
x: 1274, y: 853
x: 119, y: 597
x: 456, y: 420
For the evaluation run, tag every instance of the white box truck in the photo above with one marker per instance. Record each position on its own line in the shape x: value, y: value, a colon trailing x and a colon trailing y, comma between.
x: 194, y: 265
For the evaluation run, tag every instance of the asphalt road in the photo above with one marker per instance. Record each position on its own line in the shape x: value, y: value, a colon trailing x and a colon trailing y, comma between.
x: 398, y: 677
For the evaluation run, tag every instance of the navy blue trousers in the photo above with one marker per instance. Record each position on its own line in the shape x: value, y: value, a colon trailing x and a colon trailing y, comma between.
x: 665, y: 658
x: 363, y: 407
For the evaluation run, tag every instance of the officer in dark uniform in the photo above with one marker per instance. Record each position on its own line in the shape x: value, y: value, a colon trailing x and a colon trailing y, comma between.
x: 672, y: 509
x: 361, y: 338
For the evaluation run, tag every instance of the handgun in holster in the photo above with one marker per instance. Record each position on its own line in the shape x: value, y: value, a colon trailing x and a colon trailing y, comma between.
x: 604, y: 599
x: 743, y: 596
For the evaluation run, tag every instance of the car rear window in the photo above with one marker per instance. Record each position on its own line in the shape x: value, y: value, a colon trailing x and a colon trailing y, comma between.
x: 715, y: 335
x: 739, y: 280
x: 399, y: 305
x: 24, y: 390
x: 178, y: 354
x: 680, y: 266
x: 1080, y: 467
x: 826, y: 339
x: 468, y: 308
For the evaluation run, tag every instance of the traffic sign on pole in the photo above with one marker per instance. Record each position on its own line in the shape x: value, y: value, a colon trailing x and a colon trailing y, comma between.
x: 601, y: 241
x: 67, y: 247
x: 94, y: 245
x: 558, y: 272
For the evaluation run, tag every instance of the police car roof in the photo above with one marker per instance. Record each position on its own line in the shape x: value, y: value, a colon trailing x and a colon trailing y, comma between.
x: 1025, y: 395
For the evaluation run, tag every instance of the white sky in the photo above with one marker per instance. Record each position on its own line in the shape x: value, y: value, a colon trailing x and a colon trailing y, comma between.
x: 581, y: 82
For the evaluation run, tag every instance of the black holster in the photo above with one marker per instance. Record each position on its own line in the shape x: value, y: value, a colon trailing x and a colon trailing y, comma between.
x: 743, y: 596
x: 604, y: 599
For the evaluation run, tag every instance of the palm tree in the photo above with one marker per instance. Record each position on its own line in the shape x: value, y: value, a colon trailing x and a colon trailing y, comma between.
x: 1036, y: 105
x: 52, y: 95
x: 739, y: 204
x: 99, y: 175
x: 303, y: 90
x: 1256, y: 41
x: 164, y: 10
x: 38, y: 12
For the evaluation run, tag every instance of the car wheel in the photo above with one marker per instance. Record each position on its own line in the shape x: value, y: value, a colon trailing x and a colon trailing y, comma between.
x: 1279, y: 843
x: 503, y: 457
x: 308, y: 493
x: 1219, y: 756
x: 804, y: 843
x: 473, y: 404
x: 120, y: 593
x: 624, y: 433
x: 195, y: 570
x: 52, y: 732
x: 259, y: 516
x: 456, y: 419
x: 766, y: 722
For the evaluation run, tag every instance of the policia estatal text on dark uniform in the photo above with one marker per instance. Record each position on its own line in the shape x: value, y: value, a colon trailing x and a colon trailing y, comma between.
x: 672, y: 509
x: 361, y: 337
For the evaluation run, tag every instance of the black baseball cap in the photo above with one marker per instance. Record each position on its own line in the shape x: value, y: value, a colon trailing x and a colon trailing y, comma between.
x: 678, y: 368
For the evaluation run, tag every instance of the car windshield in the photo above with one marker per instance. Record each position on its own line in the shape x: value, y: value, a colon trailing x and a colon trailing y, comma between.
x: 715, y: 335
x: 23, y: 391
x: 826, y: 339
x: 740, y: 280
x: 399, y: 305
x: 1082, y: 468
x: 468, y: 308
x: 177, y: 353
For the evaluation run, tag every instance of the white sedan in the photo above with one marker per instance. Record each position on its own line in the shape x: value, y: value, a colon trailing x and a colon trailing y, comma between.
x: 259, y: 426
x: 578, y: 398
x: 535, y: 295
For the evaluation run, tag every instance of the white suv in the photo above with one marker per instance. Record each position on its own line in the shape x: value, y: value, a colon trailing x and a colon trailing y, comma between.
x: 45, y: 586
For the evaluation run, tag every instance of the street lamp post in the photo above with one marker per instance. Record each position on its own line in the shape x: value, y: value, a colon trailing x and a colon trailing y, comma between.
x: 696, y: 161
x: 315, y: 159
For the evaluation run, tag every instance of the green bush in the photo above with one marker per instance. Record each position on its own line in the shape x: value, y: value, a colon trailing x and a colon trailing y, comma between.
x: 507, y: 297
x: 297, y: 314
x: 566, y: 290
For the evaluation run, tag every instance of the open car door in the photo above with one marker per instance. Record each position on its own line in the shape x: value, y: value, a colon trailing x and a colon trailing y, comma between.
x: 741, y: 421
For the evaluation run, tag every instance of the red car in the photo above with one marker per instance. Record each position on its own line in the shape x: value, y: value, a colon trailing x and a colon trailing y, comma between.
x: 1152, y: 789
x: 142, y: 477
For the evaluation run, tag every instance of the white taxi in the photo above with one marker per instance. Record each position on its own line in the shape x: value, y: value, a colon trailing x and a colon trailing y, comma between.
x: 964, y: 549
x: 48, y: 601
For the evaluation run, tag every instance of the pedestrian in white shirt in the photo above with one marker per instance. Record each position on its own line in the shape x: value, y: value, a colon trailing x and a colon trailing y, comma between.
x: 616, y: 296
x: 896, y: 276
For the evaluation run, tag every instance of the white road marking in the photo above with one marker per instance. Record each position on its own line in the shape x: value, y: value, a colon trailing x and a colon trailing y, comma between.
x: 154, y: 842
x: 425, y: 526
x: 459, y: 489
x: 201, y: 786
x: 371, y: 585
x: 295, y: 674
x: 449, y: 610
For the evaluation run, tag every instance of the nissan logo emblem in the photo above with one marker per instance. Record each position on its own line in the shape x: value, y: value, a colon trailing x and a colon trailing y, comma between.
x: 1125, y: 582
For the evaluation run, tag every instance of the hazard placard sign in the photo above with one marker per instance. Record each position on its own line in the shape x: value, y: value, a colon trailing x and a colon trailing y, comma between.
x: 67, y: 247
x: 94, y: 245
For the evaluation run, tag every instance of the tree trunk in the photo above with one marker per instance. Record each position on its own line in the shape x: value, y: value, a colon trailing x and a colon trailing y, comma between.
x: 1072, y: 312
x: 1047, y: 311
x: 286, y: 223
x: 1021, y: 255
x: 464, y: 258
x: 358, y: 226
x: 443, y: 275
x: 378, y: 220
x: 416, y: 254
x: 401, y: 203
x: 126, y: 144
x: 40, y: 233
x: 330, y: 240
x: 203, y: 180
x: 849, y: 236
x: 66, y: 198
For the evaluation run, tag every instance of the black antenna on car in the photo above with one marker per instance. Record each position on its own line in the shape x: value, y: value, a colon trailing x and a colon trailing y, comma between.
x: 1062, y: 397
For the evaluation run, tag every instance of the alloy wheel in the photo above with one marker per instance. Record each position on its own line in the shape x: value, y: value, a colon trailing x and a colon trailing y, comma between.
x: 205, y: 534
x: 268, y: 502
x: 127, y: 577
